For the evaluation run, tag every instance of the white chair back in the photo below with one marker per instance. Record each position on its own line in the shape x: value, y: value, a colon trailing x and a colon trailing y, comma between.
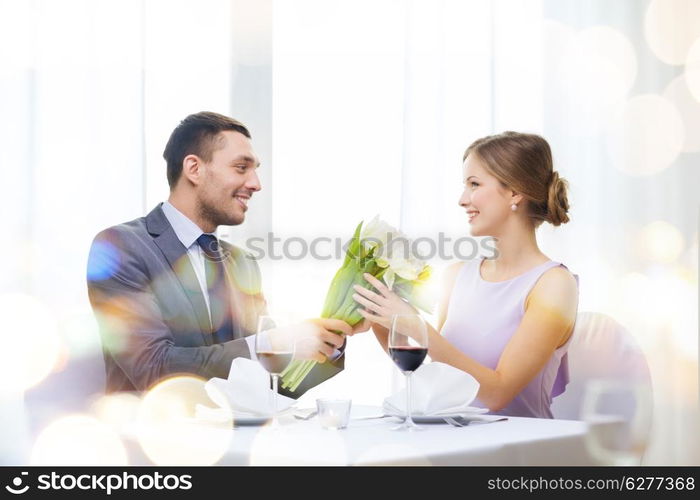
x: 601, y: 349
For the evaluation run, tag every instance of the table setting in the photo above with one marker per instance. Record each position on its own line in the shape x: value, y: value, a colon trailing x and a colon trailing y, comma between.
x: 239, y: 411
x: 441, y: 395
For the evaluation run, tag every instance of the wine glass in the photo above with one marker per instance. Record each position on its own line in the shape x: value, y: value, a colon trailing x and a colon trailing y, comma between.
x: 408, y: 346
x: 274, y: 355
x: 619, y: 418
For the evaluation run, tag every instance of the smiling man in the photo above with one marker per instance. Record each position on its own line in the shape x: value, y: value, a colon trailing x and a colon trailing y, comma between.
x: 169, y: 296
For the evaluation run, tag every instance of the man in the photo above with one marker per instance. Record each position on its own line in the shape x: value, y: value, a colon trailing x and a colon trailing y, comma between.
x: 169, y: 296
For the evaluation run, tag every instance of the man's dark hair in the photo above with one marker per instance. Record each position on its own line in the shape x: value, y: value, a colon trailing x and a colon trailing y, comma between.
x: 197, y: 135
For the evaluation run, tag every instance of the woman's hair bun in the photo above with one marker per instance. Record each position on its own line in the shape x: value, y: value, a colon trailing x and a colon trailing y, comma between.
x: 557, y: 201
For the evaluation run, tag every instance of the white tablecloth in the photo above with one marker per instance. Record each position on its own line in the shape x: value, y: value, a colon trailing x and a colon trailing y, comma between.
x: 517, y: 441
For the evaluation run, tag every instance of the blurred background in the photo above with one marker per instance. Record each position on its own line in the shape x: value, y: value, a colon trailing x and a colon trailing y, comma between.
x: 356, y: 108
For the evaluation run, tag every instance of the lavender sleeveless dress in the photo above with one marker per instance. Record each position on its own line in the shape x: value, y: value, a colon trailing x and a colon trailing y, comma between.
x: 482, y: 316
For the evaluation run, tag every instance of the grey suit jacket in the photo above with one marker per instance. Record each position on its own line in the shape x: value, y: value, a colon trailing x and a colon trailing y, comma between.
x: 151, y: 312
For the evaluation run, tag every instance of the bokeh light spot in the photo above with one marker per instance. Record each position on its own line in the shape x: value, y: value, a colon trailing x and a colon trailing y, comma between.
x: 645, y: 136
x: 692, y: 70
x: 592, y: 71
x: 103, y: 261
x: 78, y: 440
x: 170, y: 433
x: 670, y: 27
x: 118, y: 410
x: 678, y: 93
x: 661, y: 242
x: 31, y: 345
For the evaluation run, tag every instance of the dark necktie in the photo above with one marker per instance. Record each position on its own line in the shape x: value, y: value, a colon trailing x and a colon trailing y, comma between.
x: 219, y: 293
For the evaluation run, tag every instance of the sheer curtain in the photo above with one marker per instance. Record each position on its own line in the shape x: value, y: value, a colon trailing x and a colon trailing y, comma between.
x: 72, y: 162
x: 89, y: 92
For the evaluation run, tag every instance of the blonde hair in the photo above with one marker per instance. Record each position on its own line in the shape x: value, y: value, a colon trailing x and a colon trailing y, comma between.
x: 523, y: 163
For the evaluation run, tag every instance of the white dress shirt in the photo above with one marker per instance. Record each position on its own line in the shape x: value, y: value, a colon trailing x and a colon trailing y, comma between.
x: 188, y: 232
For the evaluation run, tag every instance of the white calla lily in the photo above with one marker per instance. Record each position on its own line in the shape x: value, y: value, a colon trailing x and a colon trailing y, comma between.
x: 389, y: 278
x: 376, y: 233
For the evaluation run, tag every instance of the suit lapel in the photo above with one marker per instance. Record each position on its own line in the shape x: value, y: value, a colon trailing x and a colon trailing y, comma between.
x: 247, y: 301
x: 176, y: 255
x: 237, y: 299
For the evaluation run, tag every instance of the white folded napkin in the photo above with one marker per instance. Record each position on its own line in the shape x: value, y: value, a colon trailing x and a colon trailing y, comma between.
x: 436, y: 389
x: 246, y: 392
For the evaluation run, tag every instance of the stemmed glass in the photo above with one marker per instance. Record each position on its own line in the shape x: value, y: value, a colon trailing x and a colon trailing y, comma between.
x: 408, y: 347
x: 619, y: 416
x: 274, y: 356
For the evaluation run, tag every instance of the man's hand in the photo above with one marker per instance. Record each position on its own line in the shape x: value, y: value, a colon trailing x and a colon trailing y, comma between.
x: 361, y: 327
x: 314, y: 338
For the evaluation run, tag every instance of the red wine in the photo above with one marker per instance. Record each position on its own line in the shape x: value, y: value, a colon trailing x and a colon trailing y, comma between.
x: 408, y: 359
x: 275, y: 362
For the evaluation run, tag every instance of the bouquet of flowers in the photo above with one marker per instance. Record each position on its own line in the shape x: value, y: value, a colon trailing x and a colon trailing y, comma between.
x: 371, y: 250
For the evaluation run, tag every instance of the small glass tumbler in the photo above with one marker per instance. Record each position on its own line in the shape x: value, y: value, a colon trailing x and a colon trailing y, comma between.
x: 333, y: 414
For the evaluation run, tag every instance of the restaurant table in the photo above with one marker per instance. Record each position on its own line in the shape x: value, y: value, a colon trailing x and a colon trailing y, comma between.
x: 515, y: 441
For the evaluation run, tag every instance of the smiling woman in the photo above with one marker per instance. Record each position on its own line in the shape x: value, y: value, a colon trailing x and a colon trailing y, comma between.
x: 523, y: 163
x: 506, y: 321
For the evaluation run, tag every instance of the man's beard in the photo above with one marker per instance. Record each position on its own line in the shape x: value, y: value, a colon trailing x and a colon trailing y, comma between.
x: 211, y: 212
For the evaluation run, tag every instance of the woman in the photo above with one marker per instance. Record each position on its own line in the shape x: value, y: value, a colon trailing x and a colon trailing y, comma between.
x: 507, y: 321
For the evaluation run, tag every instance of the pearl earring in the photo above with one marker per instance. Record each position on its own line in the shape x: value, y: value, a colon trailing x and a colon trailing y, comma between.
x: 514, y: 207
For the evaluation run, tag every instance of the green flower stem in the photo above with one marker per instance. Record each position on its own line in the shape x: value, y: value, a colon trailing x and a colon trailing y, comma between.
x: 341, y: 287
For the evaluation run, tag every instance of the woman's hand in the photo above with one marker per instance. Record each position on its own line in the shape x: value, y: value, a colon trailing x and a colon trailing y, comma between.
x: 380, y: 307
